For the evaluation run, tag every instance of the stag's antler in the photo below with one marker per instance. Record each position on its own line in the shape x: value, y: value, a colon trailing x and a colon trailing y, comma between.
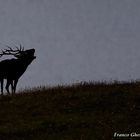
x: 21, y: 49
x: 11, y: 51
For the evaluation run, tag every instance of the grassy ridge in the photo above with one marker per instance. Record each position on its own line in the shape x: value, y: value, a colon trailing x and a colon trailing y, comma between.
x: 86, y: 111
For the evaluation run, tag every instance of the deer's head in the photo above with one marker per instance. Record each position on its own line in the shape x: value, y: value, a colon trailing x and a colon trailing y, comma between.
x: 19, y: 53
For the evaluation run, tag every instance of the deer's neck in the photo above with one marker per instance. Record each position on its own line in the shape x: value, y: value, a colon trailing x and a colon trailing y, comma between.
x: 23, y: 64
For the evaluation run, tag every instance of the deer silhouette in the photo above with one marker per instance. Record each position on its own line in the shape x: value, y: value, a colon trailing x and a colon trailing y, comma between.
x: 13, y: 69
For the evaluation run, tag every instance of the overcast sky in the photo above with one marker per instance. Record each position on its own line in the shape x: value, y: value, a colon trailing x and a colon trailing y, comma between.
x: 75, y: 40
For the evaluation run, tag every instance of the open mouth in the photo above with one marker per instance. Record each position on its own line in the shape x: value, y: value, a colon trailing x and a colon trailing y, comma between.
x: 33, y: 52
x: 34, y: 55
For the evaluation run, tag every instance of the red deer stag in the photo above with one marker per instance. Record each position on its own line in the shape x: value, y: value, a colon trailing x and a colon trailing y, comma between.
x: 12, y: 69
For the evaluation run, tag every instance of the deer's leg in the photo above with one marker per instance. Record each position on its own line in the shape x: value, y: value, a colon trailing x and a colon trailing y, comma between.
x: 15, y: 85
x: 12, y: 86
x: 1, y: 80
x: 7, y: 85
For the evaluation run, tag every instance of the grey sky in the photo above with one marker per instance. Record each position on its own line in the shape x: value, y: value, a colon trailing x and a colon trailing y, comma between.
x: 75, y: 40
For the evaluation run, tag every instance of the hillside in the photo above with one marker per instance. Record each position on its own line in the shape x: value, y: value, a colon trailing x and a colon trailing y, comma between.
x: 86, y: 111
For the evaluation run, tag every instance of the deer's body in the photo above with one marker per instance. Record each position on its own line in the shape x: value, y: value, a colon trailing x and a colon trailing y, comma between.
x: 12, y: 69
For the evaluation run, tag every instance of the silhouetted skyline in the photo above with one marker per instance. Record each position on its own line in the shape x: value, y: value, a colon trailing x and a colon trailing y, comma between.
x: 75, y: 40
